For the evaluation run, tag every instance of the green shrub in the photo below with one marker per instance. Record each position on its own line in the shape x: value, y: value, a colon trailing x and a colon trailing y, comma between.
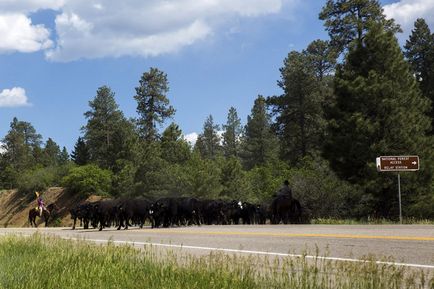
x: 320, y: 191
x: 8, y: 177
x: 39, y: 179
x: 123, y: 179
x: 266, y: 180
x: 36, y: 180
x: 88, y: 179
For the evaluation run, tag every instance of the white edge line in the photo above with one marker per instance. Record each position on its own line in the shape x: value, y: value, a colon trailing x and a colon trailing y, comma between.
x: 242, y: 251
x: 257, y: 252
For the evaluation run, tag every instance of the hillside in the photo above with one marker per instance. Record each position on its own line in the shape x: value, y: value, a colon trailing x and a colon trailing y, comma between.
x: 15, y: 206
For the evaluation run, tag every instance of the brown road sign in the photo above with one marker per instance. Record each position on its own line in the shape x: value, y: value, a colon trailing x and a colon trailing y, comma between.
x: 397, y: 163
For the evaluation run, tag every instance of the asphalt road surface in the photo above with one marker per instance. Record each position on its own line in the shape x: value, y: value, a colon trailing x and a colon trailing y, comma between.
x: 407, y: 245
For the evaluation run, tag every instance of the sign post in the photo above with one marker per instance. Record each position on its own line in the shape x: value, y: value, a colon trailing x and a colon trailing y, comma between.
x: 399, y: 196
x: 398, y: 164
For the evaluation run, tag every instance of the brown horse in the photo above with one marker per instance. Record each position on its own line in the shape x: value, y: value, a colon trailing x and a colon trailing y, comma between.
x: 46, y: 214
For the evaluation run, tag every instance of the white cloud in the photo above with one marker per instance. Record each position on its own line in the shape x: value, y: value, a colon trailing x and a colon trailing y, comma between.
x: 82, y: 40
x: 405, y: 12
x: 112, y: 28
x: 191, y: 138
x: 26, y: 6
x: 92, y: 29
x: 13, y: 97
x: 2, y: 148
x: 16, y: 28
x: 18, y: 34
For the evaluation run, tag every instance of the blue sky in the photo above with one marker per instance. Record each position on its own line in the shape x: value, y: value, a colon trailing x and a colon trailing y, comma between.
x: 54, y: 54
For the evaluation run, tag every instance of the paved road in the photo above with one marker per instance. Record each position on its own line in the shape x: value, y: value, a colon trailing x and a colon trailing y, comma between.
x: 408, y: 244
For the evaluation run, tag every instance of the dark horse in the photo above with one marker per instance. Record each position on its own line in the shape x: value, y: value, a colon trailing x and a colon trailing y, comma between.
x: 46, y: 214
x: 285, y: 210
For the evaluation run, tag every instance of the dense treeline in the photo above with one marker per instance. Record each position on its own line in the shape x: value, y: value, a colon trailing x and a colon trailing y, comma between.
x: 344, y: 102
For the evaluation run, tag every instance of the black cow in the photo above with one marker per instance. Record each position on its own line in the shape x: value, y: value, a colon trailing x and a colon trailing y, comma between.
x: 84, y: 213
x: 134, y: 210
x: 261, y: 214
x: 248, y: 212
x: 106, y: 212
x: 164, y: 212
x: 212, y: 212
x: 189, y: 211
x: 168, y: 212
x: 75, y: 214
x: 233, y: 211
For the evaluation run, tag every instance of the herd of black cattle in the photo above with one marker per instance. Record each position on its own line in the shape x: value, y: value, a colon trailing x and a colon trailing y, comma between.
x: 184, y: 211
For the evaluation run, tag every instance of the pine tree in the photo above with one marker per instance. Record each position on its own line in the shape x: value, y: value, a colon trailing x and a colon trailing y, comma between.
x: 232, y: 134
x: 50, y: 153
x: 126, y: 145
x: 379, y: 111
x: 152, y: 103
x: 105, y: 122
x: 22, y: 144
x: 419, y: 50
x: 322, y: 57
x: 202, y: 177
x: 152, y: 177
x: 208, y: 142
x: 348, y: 20
x: 64, y: 156
x: 299, y: 114
x: 233, y: 179
x: 259, y: 145
x: 174, y: 148
x: 80, y: 155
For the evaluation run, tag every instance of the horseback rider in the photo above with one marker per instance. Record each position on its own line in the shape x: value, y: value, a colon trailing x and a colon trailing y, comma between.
x: 285, y: 191
x: 41, y: 204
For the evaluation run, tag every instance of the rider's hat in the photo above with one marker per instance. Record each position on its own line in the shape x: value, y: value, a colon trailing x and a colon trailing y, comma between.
x: 37, y: 194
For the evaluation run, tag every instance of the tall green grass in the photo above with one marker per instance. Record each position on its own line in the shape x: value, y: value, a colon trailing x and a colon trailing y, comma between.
x: 49, y: 262
x: 381, y: 221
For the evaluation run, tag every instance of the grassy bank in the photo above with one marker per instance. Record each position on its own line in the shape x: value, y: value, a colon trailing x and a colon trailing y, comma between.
x: 48, y: 262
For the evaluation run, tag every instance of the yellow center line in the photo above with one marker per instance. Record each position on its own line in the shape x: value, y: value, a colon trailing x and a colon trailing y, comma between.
x: 270, y: 234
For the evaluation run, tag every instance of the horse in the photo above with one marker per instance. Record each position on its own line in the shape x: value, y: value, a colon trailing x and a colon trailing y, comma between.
x: 46, y: 214
x: 286, y: 210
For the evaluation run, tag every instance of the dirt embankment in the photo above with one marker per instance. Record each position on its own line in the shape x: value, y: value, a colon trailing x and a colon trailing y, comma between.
x: 15, y: 206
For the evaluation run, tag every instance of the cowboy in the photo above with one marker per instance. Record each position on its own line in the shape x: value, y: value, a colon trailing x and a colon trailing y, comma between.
x: 41, y: 204
x: 285, y: 191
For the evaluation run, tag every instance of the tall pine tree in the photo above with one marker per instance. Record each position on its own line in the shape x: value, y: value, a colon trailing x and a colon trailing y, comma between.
x: 80, y: 155
x: 348, y: 20
x: 419, y: 51
x: 232, y: 134
x: 64, y: 156
x: 104, y: 132
x: 298, y: 112
x: 379, y: 111
x: 174, y: 148
x: 322, y: 57
x: 152, y: 103
x: 22, y: 144
x: 259, y: 144
x: 51, y: 153
x: 208, y: 142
